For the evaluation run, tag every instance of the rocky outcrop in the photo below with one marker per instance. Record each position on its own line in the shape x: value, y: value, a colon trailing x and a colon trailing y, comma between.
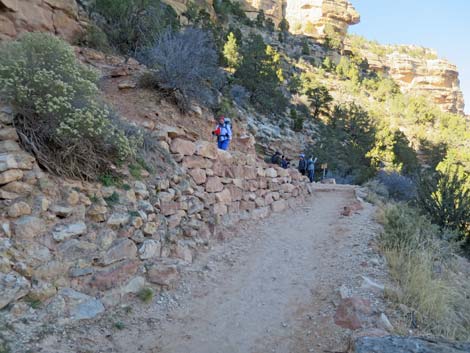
x: 435, y: 78
x: 78, y: 247
x: 392, y: 344
x: 55, y: 16
x: 310, y: 17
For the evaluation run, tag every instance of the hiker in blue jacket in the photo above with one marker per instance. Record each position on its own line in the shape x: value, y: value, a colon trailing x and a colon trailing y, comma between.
x: 311, y: 168
x: 223, y: 131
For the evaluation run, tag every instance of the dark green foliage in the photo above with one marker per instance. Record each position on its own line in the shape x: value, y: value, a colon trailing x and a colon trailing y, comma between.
x: 446, y: 199
x: 112, y: 199
x: 344, y: 140
x: 269, y: 24
x: 146, y: 295
x: 260, y: 18
x: 333, y: 39
x: 259, y: 72
x: 297, y: 120
x: 110, y: 180
x: 283, y: 25
x: 119, y: 325
x: 132, y: 25
x: 94, y: 38
x: 328, y: 64
x: 225, y: 8
x: 319, y: 99
x: 305, y: 47
x: 198, y: 16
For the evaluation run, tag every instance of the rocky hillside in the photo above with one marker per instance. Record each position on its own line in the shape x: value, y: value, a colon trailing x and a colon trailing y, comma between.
x: 416, y: 70
x: 60, y: 17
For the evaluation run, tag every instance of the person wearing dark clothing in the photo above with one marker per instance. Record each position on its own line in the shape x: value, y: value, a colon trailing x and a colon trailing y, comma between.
x: 302, y: 165
x: 276, y: 158
x: 284, y: 163
x: 311, y: 168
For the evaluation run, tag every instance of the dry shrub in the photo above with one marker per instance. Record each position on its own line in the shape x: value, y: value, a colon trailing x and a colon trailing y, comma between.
x: 422, y: 264
x: 185, y: 65
x: 58, y: 115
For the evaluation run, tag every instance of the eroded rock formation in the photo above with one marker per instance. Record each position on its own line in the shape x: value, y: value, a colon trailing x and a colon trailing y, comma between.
x: 310, y: 17
x: 55, y: 16
x: 437, y: 79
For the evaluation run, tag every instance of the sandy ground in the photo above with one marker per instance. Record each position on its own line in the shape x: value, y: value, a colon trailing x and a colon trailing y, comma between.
x: 272, y: 287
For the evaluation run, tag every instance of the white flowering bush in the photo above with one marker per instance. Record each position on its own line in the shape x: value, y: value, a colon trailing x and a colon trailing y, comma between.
x: 58, y: 115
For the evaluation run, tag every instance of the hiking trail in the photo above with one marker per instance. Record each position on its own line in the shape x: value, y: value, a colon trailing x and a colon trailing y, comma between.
x: 270, y: 288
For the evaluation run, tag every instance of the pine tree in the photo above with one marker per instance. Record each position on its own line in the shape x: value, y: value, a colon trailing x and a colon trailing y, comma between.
x: 260, y: 72
x: 260, y: 18
x: 231, y: 51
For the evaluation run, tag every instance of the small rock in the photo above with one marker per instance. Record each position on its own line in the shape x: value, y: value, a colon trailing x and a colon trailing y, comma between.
x: 61, y: 211
x: 10, y: 175
x: 118, y: 219
x: 368, y: 283
x: 385, y: 322
x: 121, y: 249
x: 19, y: 209
x: 150, y: 248
x: 66, y: 231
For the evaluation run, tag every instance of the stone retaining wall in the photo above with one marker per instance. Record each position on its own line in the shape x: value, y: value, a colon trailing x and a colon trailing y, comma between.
x: 77, y: 247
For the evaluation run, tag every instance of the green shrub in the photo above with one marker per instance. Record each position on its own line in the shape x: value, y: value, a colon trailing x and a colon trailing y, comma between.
x: 58, y: 116
x: 446, y: 199
x: 260, y: 72
x: 297, y: 120
x: 146, y: 295
x: 95, y: 38
x: 132, y: 25
x: 413, y: 249
x: 112, y: 199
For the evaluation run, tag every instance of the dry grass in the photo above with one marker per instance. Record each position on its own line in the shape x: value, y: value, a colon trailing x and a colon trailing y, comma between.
x: 423, y: 267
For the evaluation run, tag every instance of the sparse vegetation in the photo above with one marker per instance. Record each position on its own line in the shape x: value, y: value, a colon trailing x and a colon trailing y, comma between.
x: 132, y: 25
x: 413, y: 248
x: 185, y: 65
x: 58, y: 115
x: 146, y: 295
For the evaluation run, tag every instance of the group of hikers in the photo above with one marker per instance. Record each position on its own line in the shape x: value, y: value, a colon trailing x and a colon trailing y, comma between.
x: 305, y: 167
x: 223, y: 132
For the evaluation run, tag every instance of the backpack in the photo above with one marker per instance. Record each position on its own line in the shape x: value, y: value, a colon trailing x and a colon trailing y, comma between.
x: 228, y: 123
x: 302, y: 164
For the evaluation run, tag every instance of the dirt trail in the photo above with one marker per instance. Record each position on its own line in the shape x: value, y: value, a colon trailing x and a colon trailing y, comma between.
x: 271, y: 288
x: 257, y: 297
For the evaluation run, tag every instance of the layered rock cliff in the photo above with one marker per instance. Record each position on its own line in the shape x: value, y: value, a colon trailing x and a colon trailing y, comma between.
x: 55, y: 16
x: 423, y: 74
x: 311, y: 17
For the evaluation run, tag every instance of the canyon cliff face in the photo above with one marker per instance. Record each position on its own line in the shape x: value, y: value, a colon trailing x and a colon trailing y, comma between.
x: 310, y: 17
x: 437, y: 79
x: 59, y: 17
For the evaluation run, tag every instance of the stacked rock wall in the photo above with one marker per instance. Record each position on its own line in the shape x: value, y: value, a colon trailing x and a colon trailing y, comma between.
x: 77, y: 247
